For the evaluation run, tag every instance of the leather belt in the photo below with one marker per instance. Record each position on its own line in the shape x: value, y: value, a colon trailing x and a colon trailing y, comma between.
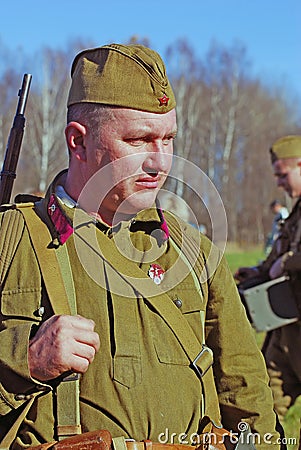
x: 102, y: 440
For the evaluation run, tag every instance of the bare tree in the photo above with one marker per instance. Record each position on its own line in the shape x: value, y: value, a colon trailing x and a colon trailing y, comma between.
x: 227, y: 121
x: 48, y: 110
x: 226, y: 127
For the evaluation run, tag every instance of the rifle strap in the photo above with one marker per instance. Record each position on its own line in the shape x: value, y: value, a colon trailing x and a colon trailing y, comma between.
x: 57, y: 276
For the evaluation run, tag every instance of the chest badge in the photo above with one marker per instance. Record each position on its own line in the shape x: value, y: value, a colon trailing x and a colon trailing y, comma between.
x: 156, y: 273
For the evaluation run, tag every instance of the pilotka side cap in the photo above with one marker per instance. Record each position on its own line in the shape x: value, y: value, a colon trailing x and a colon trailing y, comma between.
x: 286, y: 147
x: 129, y: 76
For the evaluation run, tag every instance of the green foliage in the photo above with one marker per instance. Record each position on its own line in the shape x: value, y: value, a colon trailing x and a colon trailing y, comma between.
x: 238, y: 257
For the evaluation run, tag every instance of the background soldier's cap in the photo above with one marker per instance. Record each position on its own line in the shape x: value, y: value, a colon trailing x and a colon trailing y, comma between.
x: 129, y: 76
x: 286, y: 147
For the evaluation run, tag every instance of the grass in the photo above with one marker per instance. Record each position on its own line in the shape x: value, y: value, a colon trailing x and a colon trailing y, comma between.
x: 238, y: 257
x: 291, y: 424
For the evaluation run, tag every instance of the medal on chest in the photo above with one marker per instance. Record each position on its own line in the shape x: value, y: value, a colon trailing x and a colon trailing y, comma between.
x: 156, y: 273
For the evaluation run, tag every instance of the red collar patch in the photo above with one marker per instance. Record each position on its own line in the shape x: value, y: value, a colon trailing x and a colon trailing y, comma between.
x: 59, y: 220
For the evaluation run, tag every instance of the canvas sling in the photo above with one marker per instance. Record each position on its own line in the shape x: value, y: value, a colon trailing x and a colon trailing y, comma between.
x: 57, y: 276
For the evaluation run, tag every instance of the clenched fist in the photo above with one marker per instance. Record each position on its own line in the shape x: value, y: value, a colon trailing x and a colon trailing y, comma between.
x: 61, y: 344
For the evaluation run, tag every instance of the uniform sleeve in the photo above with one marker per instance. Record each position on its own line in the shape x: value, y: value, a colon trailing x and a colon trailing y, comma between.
x: 20, y: 300
x: 265, y: 266
x: 239, y: 368
x: 16, y: 385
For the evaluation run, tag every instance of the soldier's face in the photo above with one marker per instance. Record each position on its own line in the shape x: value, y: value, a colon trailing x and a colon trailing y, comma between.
x: 288, y: 177
x: 133, y: 157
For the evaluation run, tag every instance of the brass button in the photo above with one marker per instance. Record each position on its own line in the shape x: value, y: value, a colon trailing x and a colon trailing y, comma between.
x: 178, y: 303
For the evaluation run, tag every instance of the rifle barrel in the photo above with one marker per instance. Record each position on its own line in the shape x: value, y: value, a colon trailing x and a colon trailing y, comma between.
x: 8, y: 173
x: 23, y: 93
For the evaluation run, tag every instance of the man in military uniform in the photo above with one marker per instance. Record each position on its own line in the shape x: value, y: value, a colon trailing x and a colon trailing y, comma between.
x: 282, y: 347
x: 136, y: 302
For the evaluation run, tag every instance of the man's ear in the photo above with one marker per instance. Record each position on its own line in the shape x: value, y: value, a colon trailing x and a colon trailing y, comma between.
x: 75, y: 137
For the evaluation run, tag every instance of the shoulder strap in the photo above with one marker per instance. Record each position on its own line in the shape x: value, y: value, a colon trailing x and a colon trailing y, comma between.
x: 56, y: 279
x: 189, y: 241
x: 12, y: 226
x: 57, y: 276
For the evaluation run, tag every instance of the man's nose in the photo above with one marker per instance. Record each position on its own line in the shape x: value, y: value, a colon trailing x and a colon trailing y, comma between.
x: 158, y: 160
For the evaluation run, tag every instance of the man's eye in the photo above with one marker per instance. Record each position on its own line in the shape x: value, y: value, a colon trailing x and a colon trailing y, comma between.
x: 135, y: 142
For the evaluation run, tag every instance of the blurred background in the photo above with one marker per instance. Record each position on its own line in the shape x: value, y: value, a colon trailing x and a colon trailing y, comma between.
x: 235, y: 67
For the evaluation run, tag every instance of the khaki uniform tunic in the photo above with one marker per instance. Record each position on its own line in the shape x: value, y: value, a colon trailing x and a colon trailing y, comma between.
x: 141, y: 384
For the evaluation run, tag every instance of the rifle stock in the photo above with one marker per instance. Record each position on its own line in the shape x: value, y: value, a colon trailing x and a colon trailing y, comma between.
x: 8, y: 173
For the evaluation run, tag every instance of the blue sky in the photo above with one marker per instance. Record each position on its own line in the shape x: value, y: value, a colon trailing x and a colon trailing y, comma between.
x: 269, y: 29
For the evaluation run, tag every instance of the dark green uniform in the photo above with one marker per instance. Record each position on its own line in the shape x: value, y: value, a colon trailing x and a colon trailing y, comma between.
x: 141, y: 384
x: 282, y: 350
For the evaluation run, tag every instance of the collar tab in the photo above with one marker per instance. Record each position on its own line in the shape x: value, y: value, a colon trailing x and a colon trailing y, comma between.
x: 59, y: 220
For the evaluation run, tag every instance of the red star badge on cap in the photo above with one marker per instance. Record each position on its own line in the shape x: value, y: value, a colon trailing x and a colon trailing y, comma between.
x: 164, y: 100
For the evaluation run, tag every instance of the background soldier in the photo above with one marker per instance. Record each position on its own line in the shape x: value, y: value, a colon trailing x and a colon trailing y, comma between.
x: 282, y: 347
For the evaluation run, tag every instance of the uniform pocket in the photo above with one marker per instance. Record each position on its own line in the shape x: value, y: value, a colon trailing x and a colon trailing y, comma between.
x: 127, y: 370
x: 21, y: 302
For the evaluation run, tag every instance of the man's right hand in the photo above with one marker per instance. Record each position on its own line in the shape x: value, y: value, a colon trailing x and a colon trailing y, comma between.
x: 244, y: 273
x: 62, y: 344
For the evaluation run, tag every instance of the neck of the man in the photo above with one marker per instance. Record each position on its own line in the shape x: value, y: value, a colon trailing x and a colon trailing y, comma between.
x: 109, y: 219
x: 89, y: 204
